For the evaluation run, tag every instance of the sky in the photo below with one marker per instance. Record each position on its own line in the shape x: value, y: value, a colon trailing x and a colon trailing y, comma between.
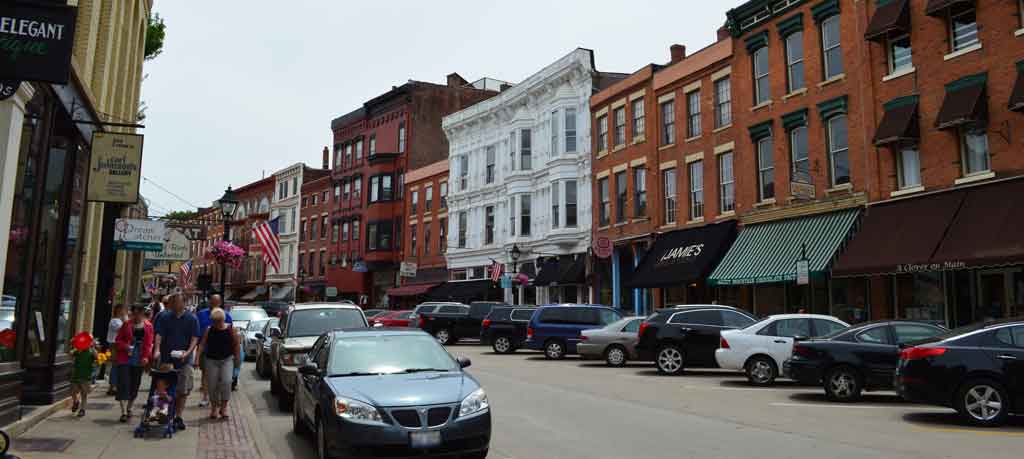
x: 238, y: 94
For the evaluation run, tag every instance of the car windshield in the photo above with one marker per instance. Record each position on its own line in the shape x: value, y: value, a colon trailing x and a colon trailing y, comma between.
x: 7, y: 314
x: 257, y: 325
x: 248, y: 314
x: 314, y: 322
x: 757, y: 324
x: 388, y: 354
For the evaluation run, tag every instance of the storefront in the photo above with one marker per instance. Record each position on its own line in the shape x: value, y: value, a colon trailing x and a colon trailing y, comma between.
x: 466, y: 291
x: 414, y: 289
x: 562, y: 279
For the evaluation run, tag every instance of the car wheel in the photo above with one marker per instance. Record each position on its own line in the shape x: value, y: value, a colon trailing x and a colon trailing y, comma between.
x: 554, y: 349
x: 843, y: 384
x: 443, y: 336
x: 285, y: 402
x: 321, y: 441
x: 275, y: 385
x: 761, y: 371
x: 670, y: 360
x: 298, y: 425
x: 983, y: 402
x: 502, y: 345
x: 615, y: 356
x: 478, y: 455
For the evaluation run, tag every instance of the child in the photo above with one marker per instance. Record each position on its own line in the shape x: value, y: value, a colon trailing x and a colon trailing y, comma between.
x: 161, y: 401
x: 84, y: 362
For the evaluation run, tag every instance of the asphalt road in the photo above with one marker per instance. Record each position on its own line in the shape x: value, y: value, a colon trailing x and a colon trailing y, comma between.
x: 576, y: 409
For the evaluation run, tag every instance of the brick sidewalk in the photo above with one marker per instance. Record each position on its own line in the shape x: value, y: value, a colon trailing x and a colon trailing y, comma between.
x: 227, y: 439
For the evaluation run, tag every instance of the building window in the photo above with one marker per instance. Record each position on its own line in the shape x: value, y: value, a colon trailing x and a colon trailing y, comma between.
x: 900, y: 54
x: 323, y: 262
x: 355, y: 230
x: 345, y: 191
x: 762, y: 87
x: 554, y: 133
x: 512, y: 150
x: 726, y: 184
x: 830, y: 44
x: 555, y: 206
x: 414, y: 201
x: 462, y: 229
x: 620, y: 197
x: 302, y: 231
x: 525, y: 149
x: 348, y: 155
x: 323, y: 227
x: 335, y: 231
x: 668, y: 179
x: 765, y: 170
x: 838, y: 150
x: 359, y: 149
x: 602, y: 133
x: 798, y: 153
x: 491, y: 160
x: 908, y: 167
x: 606, y: 202
x: 693, y: 114
x: 639, y: 191
x: 620, y: 126
x: 443, y: 233
x: 337, y: 191
x: 344, y: 231
x: 426, y: 239
x: 570, y: 203
x: 378, y: 235
x: 375, y: 188
x: 524, y: 215
x: 795, y: 61
x: 463, y: 173
x: 570, y: 130
x: 373, y: 145
x: 668, y: 123
x: 428, y: 198
x: 401, y: 142
x: 723, y: 103
x: 974, y: 151
x: 357, y: 190
x: 412, y: 240
x: 638, y: 119
x: 696, y: 190
x: 963, y: 27
x: 444, y: 195
x: 338, y: 151
x: 512, y: 216
x: 489, y: 225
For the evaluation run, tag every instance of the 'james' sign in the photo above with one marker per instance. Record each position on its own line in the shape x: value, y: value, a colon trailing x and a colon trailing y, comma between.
x: 115, y: 167
x: 36, y: 41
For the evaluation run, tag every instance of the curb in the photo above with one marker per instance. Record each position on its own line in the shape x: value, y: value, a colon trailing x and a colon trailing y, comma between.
x: 19, y: 427
x: 260, y: 438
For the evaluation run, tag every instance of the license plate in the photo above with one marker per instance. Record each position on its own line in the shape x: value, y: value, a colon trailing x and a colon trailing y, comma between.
x: 424, y: 439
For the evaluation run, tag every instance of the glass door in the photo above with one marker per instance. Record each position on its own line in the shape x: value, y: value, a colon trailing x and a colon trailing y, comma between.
x: 1000, y: 294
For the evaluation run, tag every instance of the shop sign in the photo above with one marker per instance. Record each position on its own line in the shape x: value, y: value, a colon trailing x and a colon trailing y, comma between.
x: 191, y: 232
x: 803, y: 272
x: 801, y: 191
x: 682, y: 254
x: 176, y: 248
x: 359, y: 267
x: 506, y: 281
x: 139, y: 235
x: 910, y: 268
x: 603, y: 247
x: 331, y: 292
x: 407, y: 269
x: 8, y: 88
x: 36, y: 41
x: 115, y: 167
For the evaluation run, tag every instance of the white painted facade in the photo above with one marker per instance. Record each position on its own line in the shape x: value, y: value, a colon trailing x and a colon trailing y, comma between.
x: 285, y: 204
x: 543, y: 109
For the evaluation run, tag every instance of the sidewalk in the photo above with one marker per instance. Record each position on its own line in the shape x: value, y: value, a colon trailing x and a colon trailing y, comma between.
x: 99, y: 435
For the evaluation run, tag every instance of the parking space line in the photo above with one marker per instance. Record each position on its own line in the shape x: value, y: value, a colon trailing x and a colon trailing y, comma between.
x: 855, y: 407
x: 995, y: 433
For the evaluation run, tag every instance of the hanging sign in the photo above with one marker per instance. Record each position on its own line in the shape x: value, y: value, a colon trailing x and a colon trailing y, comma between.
x: 803, y: 272
x: 36, y: 41
x: 506, y: 281
x: 176, y: 248
x: 115, y: 167
x: 407, y: 269
x: 603, y: 247
x: 7, y: 90
x: 139, y: 235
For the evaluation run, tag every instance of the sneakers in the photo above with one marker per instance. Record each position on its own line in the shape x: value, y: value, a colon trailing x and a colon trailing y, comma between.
x: 179, y: 424
x: 74, y: 406
x: 204, y: 403
x: 81, y: 413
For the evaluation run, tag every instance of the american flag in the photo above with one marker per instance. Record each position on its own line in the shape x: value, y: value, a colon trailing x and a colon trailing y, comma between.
x: 497, y: 269
x: 266, y: 233
x: 151, y: 288
x: 186, y: 274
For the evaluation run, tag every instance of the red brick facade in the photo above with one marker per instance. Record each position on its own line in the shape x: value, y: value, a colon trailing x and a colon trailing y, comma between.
x: 315, y: 233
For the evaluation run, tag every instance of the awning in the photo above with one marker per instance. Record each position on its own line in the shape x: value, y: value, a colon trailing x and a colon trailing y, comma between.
x: 683, y: 256
x: 576, y: 273
x: 891, y: 17
x: 281, y: 293
x: 987, y: 231
x: 428, y: 276
x: 549, y: 272
x: 411, y: 290
x: 1017, y: 98
x: 254, y: 293
x: 465, y: 291
x: 768, y: 252
x: 894, y: 237
x: 900, y: 122
x: 565, y: 270
x: 965, y: 103
x: 939, y: 7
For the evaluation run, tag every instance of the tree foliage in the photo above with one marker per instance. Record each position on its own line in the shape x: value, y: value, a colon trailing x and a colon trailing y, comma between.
x: 155, y: 37
x: 181, y: 215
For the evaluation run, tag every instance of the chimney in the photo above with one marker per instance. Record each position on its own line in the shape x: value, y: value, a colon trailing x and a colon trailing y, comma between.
x: 327, y: 158
x: 678, y: 53
x: 456, y: 81
x: 723, y: 33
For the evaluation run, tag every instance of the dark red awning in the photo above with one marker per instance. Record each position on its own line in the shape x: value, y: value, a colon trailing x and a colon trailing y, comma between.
x: 410, y: 290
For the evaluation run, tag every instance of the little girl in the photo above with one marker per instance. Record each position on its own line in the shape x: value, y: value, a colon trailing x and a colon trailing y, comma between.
x: 83, y: 364
x: 161, y: 403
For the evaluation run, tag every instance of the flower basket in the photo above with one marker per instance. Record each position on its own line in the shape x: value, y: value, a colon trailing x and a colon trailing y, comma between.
x: 227, y: 253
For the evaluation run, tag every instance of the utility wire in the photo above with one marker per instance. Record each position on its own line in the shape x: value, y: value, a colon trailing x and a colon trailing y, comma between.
x: 170, y: 192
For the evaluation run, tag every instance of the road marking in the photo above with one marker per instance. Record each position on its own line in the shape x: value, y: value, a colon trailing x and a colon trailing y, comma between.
x: 971, y: 431
x: 857, y: 407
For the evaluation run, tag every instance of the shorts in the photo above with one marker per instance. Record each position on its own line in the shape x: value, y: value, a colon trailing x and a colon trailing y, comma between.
x: 184, y: 380
x: 81, y: 387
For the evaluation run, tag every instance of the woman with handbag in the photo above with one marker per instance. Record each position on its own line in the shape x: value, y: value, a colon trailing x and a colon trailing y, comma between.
x: 134, y: 346
x: 219, y: 351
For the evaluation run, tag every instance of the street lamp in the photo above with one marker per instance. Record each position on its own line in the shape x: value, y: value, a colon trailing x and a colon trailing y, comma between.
x: 298, y: 289
x: 228, y: 204
x: 514, y: 255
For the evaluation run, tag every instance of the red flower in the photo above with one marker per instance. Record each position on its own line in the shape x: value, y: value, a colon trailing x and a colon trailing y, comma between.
x: 8, y: 338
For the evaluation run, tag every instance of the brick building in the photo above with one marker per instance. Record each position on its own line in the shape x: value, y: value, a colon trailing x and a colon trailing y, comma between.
x: 426, y: 217
x: 247, y: 284
x: 317, y: 235
x: 374, y: 145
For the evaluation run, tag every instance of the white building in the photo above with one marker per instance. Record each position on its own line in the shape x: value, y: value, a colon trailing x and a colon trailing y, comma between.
x: 285, y: 205
x: 520, y: 176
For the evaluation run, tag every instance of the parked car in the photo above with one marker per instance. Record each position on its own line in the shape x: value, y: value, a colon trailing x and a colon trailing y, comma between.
x: 615, y: 343
x: 371, y: 313
x: 299, y: 329
x: 263, y: 351
x: 388, y: 392
x: 555, y: 329
x: 452, y: 322
x: 429, y: 306
x: 859, y: 358
x: 250, y: 343
x: 242, y: 314
x: 393, y: 319
x: 761, y: 349
x: 687, y: 336
x: 505, y: 328
x: 274, y: 308
x: 976, y: 370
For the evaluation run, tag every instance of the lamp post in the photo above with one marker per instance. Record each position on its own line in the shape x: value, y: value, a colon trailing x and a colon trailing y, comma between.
x: 228, y: 204
x: 514, y: 255
x: 298, y: 288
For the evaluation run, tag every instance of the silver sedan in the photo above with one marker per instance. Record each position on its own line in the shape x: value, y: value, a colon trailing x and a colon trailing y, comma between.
x: 615, y: 343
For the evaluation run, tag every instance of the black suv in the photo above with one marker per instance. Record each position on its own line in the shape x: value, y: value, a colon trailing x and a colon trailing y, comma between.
x: 505, y: 328
x: 451, y: 322
x: 688, y: 335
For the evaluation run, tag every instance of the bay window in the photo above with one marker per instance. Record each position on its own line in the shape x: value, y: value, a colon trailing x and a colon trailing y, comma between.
x: 570, y: 130
x: 570, y: 203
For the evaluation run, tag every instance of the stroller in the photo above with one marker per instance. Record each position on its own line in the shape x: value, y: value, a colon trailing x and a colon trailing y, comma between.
x: 159, y: 408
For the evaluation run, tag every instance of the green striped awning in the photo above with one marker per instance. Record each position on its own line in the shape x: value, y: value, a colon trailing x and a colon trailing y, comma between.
x: 768, y: 252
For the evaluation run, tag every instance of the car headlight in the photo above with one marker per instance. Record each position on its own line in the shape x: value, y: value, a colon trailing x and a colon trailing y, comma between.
x: 356, y: 411
x: 474, y: 403
x: 295, y: 359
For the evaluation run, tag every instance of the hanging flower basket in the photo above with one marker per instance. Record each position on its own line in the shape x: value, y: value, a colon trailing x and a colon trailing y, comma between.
x: 227, y: 253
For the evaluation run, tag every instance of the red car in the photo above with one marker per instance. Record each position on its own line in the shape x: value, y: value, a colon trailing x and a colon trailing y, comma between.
x: 393, y: 319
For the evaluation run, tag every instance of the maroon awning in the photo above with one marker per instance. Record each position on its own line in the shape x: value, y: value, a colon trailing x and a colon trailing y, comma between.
x: 937, y: 7
x: 988, y: 229
x: 890, y: 18
x: 966, y: 103
x: 1017, y: 97
x: 900, y: 122
x: 410, y: 290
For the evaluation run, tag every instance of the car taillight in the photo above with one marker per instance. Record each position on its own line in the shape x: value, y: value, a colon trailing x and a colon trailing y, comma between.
x: 802, y: 351
x: 722, y: 343
x: 486, y: 323
x: 643, y: 326
x: 918, y: 353
x: 529, y: 332
x: 583, y: 338
x: 422, y: 321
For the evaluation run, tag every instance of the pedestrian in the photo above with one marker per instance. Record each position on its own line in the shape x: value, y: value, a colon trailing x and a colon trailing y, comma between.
x: 83, y: 364
x: 237, y: 371
x: 219, y: 351
x: 134, y: 346
x: 177, y: 335
x: 204, y: 323
x: 117, y: 319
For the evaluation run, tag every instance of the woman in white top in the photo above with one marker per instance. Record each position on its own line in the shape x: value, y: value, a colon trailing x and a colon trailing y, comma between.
x: 117, y: 319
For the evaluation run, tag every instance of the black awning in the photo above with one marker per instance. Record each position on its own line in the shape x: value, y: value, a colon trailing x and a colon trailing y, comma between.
x: 890, y: 18
x: 549, y: 273
x: 465, y: 291
x: 900, y: 122
x: 965, y: 103
x: 938, y: 7
x: 683, y: 256
x: 1017, y: 97
x: 576, y: 273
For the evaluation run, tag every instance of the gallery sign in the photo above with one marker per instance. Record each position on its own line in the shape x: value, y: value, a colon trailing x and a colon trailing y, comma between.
x: 139, y: 235
x: 115, y: 167
x: 36, y: 41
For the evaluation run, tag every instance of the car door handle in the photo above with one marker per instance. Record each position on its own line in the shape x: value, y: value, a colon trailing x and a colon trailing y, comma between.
x: 1006, y: 357
x: 780, y: 341
x: 685, y: 329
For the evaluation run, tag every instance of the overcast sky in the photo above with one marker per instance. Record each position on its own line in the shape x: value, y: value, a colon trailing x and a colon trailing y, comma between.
x: 243, y: 89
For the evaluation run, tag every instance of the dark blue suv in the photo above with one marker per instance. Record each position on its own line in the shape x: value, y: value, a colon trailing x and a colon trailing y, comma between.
x: 555, y: 329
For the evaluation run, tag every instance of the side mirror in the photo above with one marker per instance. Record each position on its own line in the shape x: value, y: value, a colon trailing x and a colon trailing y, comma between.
x: 275, y: 332
x: 260, y: 336
x: 463, y: 361
x: 801, y: 338
x: 309, y: 369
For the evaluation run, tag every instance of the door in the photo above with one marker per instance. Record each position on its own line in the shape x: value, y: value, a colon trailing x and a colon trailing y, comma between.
x: 878, y: 355
x: 1000, y: 294
x: 777, y: 338
x: 628, y: 333
x: 701, y: 330
x: 304, y: 401
x: 1009, y: 357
